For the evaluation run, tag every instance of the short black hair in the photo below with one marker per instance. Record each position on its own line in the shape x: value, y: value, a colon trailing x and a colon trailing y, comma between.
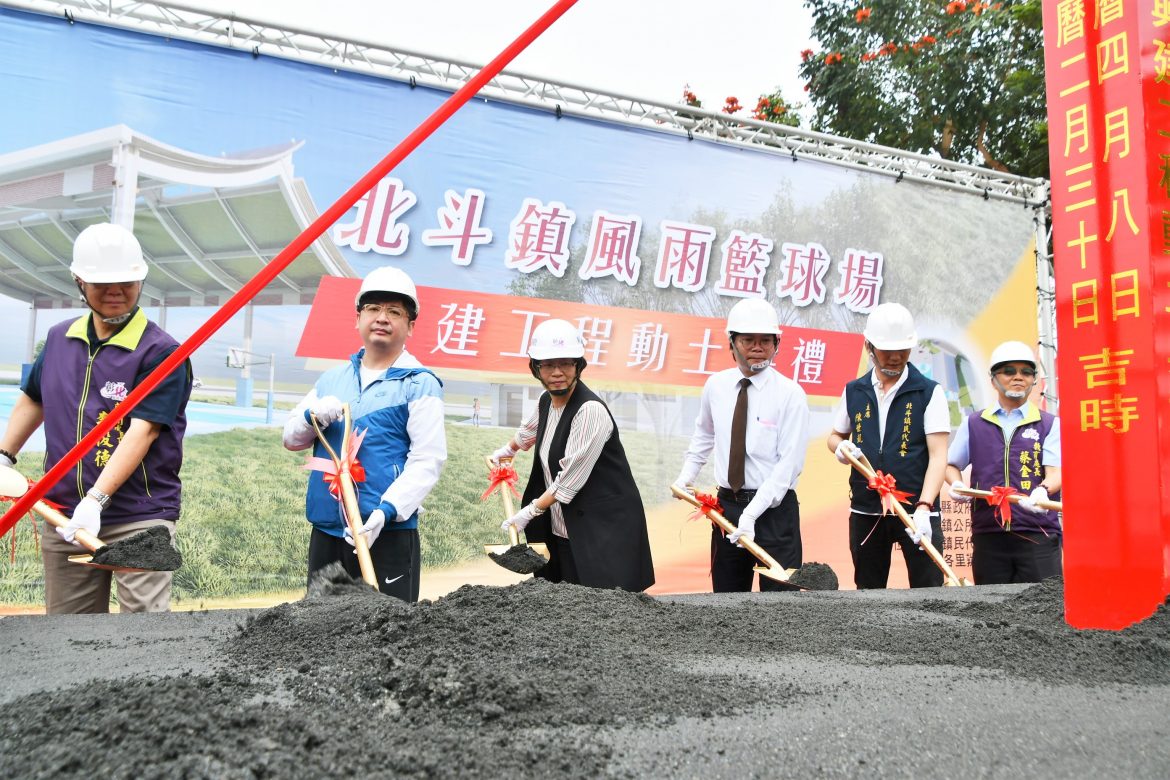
x: 379, y: 296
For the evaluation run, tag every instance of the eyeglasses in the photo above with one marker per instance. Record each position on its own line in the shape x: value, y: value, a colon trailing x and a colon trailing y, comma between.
x: 551, y: 366
x: 1011, y: 371
x: 389, y: 309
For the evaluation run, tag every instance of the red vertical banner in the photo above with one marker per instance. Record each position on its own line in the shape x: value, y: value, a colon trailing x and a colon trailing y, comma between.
x: 1107, y: 80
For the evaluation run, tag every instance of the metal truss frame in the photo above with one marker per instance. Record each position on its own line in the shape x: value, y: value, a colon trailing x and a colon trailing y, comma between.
x: 261, y: 38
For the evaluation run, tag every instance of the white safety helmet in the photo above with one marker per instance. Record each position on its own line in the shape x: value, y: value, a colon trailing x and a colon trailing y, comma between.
x: 107, y: 254
x: 556, y: 339
x: 388, y: 279
x: 753, y: 315
x: 891, y: 327
x: 1012, y: 352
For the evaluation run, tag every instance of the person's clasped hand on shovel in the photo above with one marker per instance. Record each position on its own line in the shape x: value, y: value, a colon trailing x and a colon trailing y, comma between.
x: 522, y: 518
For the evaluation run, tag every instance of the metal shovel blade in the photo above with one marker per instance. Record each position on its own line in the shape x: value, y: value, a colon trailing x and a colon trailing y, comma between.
x: 519, y: 558
x: 87, y: 560
x: 780, y: 576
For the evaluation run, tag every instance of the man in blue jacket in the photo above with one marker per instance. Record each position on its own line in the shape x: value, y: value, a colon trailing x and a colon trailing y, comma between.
x: 399, y: 405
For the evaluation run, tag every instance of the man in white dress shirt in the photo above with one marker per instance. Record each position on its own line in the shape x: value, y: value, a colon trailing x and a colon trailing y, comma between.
x: 755, y: 420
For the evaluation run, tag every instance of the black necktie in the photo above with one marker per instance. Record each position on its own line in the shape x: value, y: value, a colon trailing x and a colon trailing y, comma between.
x: 738, y: 456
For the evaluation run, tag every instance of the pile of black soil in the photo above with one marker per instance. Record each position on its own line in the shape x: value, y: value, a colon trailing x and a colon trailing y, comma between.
x: 525, y: 681
x: 815, y: 576
x: 151, y: 549
x: 520, y: 558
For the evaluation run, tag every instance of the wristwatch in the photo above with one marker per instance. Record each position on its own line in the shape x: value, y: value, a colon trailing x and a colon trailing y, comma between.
x: 103, y: 499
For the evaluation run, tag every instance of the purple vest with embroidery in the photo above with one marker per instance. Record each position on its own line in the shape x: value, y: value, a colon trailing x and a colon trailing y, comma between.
x: 1016, y: 463
x: 76, y: 392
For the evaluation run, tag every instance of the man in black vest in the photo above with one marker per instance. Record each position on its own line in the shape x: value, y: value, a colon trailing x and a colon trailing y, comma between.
x: 898, y: 419
x: 596, y: 529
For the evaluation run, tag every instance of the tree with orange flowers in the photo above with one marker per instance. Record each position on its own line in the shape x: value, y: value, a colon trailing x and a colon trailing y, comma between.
x: 960, y: 78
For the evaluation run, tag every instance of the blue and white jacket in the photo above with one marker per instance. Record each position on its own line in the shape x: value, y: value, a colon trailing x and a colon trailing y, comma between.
x: 404, y: 449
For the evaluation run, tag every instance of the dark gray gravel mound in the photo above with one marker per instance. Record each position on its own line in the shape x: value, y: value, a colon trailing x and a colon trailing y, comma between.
x: 539, y: 680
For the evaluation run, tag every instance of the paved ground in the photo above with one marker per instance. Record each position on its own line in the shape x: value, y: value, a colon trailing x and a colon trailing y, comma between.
x: 538, y: 681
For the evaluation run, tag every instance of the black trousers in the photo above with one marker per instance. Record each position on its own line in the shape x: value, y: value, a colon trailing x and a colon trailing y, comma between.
x: 870, y: 541
x: 396, y: 556
x: 777, y: 531
x: 564, y: 553
x: 1000, y: 558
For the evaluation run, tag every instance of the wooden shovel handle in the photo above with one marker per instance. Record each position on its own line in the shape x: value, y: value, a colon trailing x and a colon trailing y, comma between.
x: 862, y: 464
x: 58, y: 520
x: 1054, y: 506
x: 727, y: 527
x: 513, y: 534
x: 349, y: 499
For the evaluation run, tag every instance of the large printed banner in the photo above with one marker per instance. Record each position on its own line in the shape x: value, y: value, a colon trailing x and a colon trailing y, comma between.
x: 481, y: 331
x: 509, y: 215
x: 1108, y: 71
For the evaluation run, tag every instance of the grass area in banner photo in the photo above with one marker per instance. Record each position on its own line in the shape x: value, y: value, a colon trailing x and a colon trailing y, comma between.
x: 244, y: 538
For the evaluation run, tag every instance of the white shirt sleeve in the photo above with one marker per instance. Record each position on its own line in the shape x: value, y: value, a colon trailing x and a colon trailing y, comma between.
x: 1050, y: 456
x: 702, y: 440
x: 959, y: 454
x: 937, y: 418
x: 424, y: 460
x: 298, y: 434
x: 526, y: 436
x: 841, y: 417
x: 588, y: 433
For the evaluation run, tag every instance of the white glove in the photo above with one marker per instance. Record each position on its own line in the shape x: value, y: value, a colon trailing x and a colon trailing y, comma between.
x: 371, y: 528
x: 847, y: 446
x: 327, y: 410
x: 87, y: 516
x: 921, y: 519
x: 522, y: 518
x: 957, y: 485
x: 6, y: 461
x: 1029, y: 503
x: 682, y: 485
x: 746, y: 530
x: 502, y: 453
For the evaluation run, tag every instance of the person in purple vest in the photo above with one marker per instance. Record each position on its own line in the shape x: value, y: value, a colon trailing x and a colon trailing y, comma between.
x: 1011, y: 444
x: 130, y: 480
x: 899, y: 420
x: 581, y: 499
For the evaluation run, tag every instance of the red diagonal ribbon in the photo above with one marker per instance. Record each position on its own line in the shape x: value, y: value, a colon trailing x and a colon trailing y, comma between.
x: 1003, y: 505
x: 886, y: 486
x: 498, y: 477
x: 349, y: 463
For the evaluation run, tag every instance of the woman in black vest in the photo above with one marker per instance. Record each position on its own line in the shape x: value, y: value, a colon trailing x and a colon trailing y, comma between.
x: 596, y: 529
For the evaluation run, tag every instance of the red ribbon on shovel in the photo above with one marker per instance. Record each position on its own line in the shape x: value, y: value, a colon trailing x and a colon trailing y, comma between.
x: 498, y: 477
x: 708, y: 502
x: 885, y: 485
x: 32, y: 519
x: 349, y: 462
x: 999, y: 499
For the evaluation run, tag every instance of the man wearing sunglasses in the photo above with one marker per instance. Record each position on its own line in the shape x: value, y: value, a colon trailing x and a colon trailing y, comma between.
x: 1011, y: 443
x: 398, y: 404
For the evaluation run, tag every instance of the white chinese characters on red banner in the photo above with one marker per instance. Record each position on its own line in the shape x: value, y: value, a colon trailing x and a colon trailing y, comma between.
x: 484, y: 331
